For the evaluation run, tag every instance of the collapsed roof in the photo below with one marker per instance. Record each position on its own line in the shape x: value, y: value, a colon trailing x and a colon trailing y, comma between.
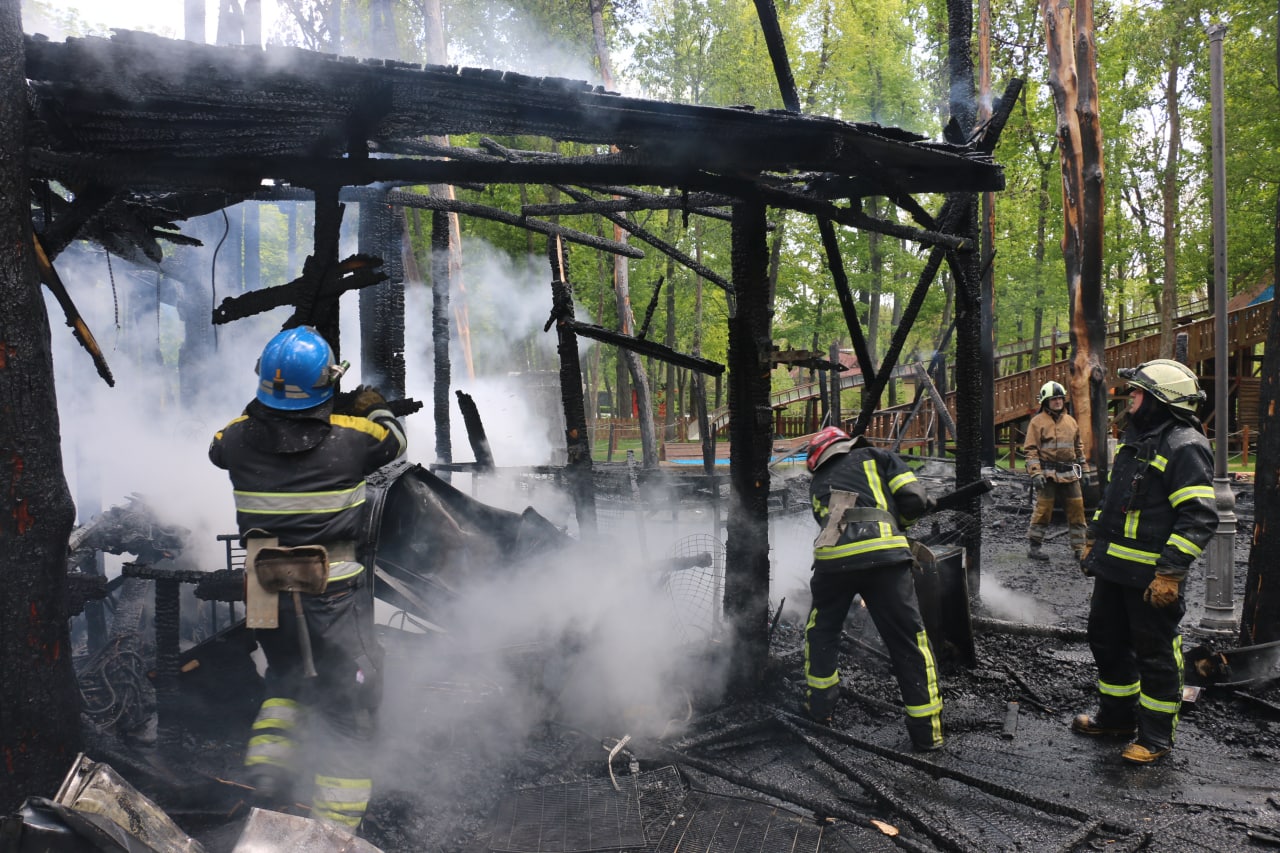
x: 121, y: 120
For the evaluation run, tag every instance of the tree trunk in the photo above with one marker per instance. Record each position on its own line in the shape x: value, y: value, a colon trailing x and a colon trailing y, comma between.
x: 1260, y: 620
x: 40, y: 716
x: 1073, y: 80
x: 1169, y: 188
x: 437, y: 51
x: 621, y: 277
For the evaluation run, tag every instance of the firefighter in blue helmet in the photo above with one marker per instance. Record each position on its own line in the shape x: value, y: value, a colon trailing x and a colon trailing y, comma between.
x: 1156, y: 515
x: 863, y: 498
x: 297, y: 470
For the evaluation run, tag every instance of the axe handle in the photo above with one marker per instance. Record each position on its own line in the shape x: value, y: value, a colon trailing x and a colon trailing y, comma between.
x: 962, y: 495
x: 304, y: 637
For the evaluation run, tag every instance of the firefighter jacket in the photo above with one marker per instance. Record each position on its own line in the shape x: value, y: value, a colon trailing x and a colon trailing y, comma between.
x: 300, y: 476
x: 870, y: 533
x: 1053, y: 446
x: 1158, y: 510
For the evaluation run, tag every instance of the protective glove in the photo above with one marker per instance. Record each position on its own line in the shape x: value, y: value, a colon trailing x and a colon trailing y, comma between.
x: 1162, y: 591
x: 367, y: 399
x: 1037, y: 480
x: 1084, y: 558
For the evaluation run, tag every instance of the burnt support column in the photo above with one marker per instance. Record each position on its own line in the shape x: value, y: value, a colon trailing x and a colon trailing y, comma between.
x: 167, y: 620
x: 324, y: 262
x: 441, y: 280
x: 968, y: 275
x: 746, y: 595
x: 577, y: 446
x: 382, y: 305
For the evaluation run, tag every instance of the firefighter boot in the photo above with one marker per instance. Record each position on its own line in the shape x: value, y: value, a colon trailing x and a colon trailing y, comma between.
x: 1139, y: 753
x: 1086, y: 724
x: 1035, y: 550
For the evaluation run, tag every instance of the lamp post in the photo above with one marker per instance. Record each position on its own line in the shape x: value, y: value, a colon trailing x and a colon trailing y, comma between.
x: 1219, y: 607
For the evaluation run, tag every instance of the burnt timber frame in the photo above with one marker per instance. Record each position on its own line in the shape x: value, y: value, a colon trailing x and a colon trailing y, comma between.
x: 144, y: 149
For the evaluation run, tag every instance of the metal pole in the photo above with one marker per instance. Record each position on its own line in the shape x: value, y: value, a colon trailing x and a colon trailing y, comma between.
x: 1219, y: 608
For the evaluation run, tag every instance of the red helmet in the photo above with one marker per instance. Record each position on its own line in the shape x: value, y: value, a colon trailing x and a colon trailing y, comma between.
x: 825, y: 444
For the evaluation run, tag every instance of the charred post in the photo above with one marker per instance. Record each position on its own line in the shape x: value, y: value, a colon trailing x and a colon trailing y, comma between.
x: 475, y: 432
x: 441, y: 231
x: 578, y: 463
x: 746, y: 595
x: 382, y: 306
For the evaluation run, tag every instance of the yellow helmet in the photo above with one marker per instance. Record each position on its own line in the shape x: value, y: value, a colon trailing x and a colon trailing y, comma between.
x: 1170, y: 382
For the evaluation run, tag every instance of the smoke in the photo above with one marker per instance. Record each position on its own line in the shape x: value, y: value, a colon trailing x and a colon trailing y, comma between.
x: 1005, y: 603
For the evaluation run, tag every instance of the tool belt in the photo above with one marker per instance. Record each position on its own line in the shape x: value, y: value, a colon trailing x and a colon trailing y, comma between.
x: 843, y: 510
x: 271, y: 569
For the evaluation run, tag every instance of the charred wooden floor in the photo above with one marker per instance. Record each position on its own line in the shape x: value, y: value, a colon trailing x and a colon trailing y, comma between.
x: 542, y: 747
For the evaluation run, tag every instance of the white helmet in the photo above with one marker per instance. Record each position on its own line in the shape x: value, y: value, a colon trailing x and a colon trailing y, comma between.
x: 1049, y: 390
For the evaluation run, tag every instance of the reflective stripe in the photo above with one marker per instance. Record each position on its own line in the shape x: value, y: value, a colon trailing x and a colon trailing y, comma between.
x: 341, y: 801
x: 901, y: 480
x: 822, y: 683
x: 1147, y: 558
x: 819, y: 509
x: 277, y: 713
x: 1185, y: 545
x: 882, y: 543
x: 933, y: 710
x: 276, y: 750
x: 290, y: 503
x: 811, y: 679
x: 1119, y: 689
x: 363, y: 423
x: 1156, y: 705
x: 291, y: 392
x: 1131, y: 524
x: 344, y: 570
x: 873, y: 481
x: 1191, y: 493
x: 340, y: 791
x: 1159, y: 463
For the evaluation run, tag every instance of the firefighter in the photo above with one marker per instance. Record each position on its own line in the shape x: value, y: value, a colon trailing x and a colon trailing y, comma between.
x: 863, y: 498
x: 297, y: 470
x: 1055, y: 461
x: 1157, y: 513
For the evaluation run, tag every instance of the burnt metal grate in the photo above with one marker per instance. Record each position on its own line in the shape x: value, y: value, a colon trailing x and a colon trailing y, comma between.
x: 707, y: 823
x: 571, y: 817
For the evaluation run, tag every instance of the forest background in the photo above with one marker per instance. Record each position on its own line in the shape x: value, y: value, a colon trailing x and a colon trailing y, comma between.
x: 878, y: 61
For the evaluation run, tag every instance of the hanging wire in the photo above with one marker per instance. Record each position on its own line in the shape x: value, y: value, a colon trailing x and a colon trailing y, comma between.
x: 213, y: 273
x: 115, y: 301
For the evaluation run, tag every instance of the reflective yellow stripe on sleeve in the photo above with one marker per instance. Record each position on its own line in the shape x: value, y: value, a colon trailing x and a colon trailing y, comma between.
x: 1185, y: 545
x: 1190, y: 493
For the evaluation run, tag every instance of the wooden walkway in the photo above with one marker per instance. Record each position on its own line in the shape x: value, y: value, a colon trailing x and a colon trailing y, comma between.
x: 1015, y: 394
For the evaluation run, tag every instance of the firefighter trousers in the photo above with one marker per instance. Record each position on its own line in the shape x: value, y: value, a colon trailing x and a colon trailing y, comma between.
x: 1069, y: 496
x: 1138, y: 651
x: 889, y: 594
x: 338, y: 706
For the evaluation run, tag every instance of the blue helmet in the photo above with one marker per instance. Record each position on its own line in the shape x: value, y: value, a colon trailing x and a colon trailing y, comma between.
x: 296, y: 370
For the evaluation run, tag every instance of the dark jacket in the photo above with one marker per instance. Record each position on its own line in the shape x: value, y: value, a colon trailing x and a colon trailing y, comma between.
x: 1158, y: 510
x: 889, y: 498
x: 300, y: 475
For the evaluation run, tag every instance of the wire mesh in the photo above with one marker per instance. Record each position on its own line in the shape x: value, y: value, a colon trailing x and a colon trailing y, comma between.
x: 571, y: 817
x: 696, y: 588
x: 707, y: 823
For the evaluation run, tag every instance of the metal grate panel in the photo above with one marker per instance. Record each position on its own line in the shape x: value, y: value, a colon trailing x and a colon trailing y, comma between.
x: 572, y: 817
x: 707, y: 823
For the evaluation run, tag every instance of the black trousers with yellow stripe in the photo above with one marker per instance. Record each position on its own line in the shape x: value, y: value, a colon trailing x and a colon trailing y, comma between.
x: 338, y: 706
x: 1138, y: 651
x: 890, y: 597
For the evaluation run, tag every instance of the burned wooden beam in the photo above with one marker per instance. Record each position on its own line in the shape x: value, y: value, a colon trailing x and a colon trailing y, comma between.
x: 74, y: 319
x: 358, y: 271
x: 630, y: 226
x: 768, y: 14
x: 578, y: 463
x: 692, y: 202
x: 835, y: 263
x: 649, y: 348
x: 803, y: 358
x: 484, y: 211
x: 475, y: 432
